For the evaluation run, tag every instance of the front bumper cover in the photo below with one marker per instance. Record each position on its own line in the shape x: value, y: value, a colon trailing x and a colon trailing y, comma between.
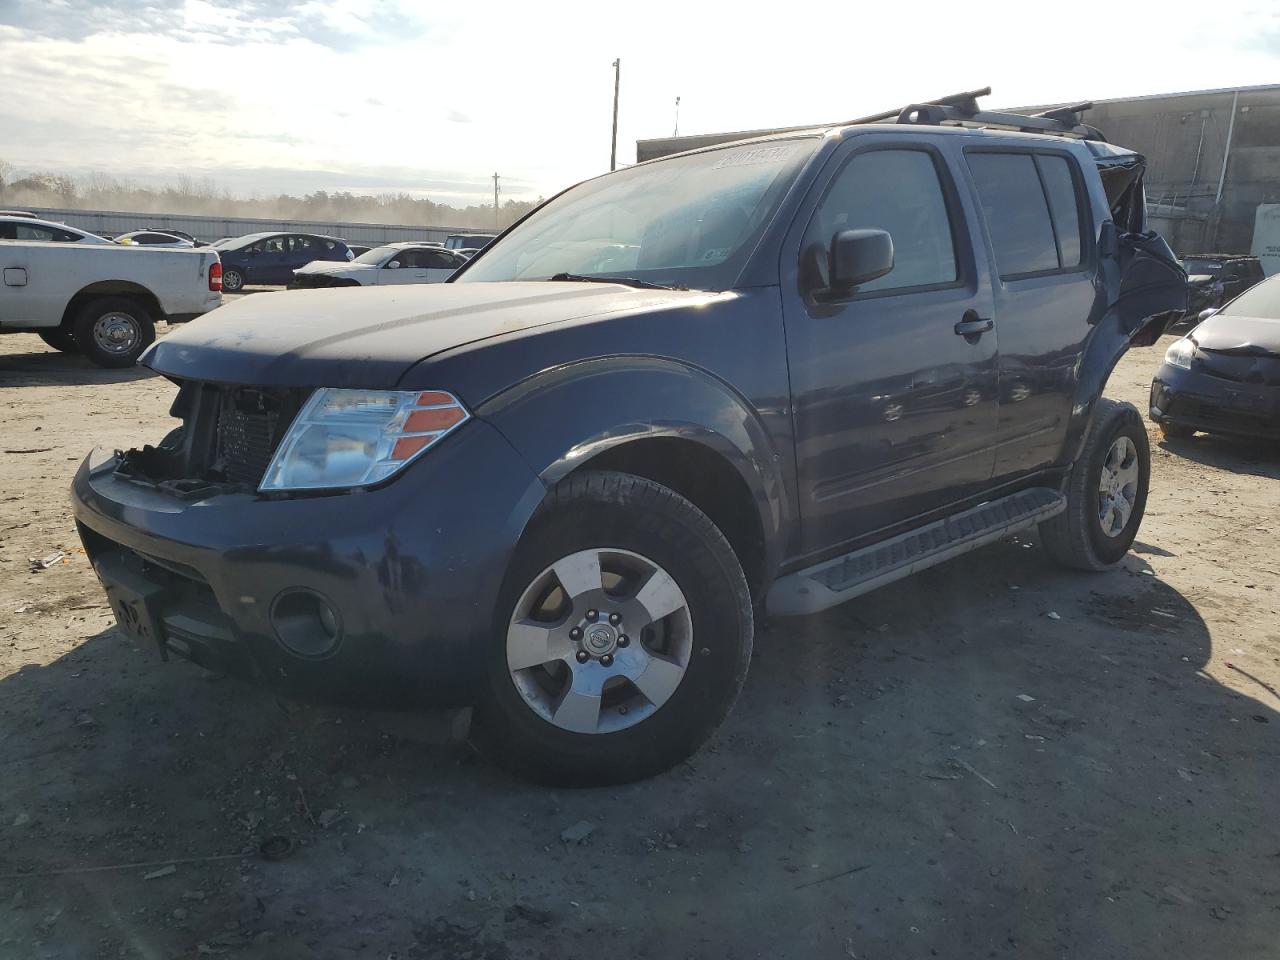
x: 1193, y: 398
x: 413, y: 568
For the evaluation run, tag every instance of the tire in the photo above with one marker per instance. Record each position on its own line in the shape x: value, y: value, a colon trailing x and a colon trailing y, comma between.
x: 1174, y: 431
x: 232, y: 280
x: 59, y: 338
x: 113, y: 331
x: 530, y: 720
x: 1077, y: 537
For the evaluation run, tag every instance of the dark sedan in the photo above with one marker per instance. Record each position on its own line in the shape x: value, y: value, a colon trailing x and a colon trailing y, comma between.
x: 260, y: 258
x: 1224, y: 376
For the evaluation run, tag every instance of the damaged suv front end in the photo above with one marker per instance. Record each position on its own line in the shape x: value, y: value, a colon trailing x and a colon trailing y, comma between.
x: 264, y: 537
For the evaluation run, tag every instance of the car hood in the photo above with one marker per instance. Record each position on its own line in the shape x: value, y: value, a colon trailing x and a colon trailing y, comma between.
x: 333, y: 266
x: 370, y: 336
x: 1199, y: 279
x: 1229, y: 333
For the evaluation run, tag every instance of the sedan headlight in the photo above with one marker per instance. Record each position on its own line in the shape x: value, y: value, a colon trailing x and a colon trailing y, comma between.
x: 353, y: 438
x: 1180, y: 353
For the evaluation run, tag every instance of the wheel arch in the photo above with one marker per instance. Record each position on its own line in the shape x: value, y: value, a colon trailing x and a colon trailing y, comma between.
x: 112, y: 288
x: 668, y: 422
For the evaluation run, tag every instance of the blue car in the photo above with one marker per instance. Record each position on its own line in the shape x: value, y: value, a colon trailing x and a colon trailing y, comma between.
x: 260, y: 258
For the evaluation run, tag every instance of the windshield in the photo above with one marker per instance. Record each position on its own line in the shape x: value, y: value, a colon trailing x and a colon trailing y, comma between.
x: 1211, y: 267
x: 690, y: 221
x: 233, y: 243
x: 376, y: 255
x: 1262, y: 300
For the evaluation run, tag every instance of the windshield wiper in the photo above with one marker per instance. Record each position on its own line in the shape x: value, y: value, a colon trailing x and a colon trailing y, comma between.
x: 625, y: 281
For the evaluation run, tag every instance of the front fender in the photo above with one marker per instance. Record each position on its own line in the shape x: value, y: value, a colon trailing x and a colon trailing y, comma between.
x: 564, y: 417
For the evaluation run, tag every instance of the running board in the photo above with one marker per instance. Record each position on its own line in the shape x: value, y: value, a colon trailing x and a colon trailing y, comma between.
x: 834, y: 581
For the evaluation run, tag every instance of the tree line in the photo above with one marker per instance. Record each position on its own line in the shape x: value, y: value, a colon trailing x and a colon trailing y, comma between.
x: 204, y: 197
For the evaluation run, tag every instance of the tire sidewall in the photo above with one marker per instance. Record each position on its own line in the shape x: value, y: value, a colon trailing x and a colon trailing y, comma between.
x: 93, y: 311
x: 1107, y: 549
x: 719, y: 606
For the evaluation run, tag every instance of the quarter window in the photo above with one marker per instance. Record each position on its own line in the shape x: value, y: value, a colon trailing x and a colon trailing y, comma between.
x: 897, y: 191
x: 1031, y: 210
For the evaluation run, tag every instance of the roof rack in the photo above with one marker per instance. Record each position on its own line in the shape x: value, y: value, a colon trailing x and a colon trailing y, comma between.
x: 961, y: 109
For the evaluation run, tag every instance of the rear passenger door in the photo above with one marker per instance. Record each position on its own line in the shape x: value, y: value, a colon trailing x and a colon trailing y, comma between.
x: 894, y: 407
x: 440, y: 265
x: 1042, y: 246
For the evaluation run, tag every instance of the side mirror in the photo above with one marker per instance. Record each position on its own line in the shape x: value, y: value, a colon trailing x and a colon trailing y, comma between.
x: 393, y: 265
x: 253, y: 252
x: 1206, y: 314
x: 858, y: 257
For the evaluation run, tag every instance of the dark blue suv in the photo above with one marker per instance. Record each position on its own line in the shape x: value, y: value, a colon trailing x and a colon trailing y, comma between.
x: 764, y: 376
x: 272, y: 257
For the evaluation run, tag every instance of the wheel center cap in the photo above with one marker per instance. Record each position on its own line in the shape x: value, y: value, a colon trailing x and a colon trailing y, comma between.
x: 600, y: 638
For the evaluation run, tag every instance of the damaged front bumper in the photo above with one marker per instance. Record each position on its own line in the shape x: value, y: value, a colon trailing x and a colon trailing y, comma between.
x: 1200, y: 401
x: 382, y: 597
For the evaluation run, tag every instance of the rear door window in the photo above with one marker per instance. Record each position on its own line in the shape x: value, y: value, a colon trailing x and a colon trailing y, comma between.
x: 439, y: 260
x: 1032, y: 208
x: 1016, y: 211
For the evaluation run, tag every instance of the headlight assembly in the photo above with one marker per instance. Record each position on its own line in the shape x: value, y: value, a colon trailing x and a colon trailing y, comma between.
x: 1180, y: 353
x: 354, y: 438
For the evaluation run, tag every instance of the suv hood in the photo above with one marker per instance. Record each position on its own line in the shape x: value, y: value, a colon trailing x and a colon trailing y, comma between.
x: 370, y: 336
x: 1238, y: 334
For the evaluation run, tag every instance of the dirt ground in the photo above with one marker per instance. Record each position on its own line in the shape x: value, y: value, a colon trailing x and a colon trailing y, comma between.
x: 996, y: 758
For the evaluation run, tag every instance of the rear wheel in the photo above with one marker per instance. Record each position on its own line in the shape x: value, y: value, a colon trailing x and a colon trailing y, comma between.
x: 113, y: 331
x: 1106, y: 494
x: 232, y: 280
x: 59, y: 338
x: 624, y: 636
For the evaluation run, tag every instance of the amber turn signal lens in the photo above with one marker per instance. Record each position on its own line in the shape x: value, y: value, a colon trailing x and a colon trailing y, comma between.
x: 426, y: 421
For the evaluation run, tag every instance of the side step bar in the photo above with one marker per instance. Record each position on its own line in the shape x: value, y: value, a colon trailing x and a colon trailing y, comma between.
x: 834, y: 581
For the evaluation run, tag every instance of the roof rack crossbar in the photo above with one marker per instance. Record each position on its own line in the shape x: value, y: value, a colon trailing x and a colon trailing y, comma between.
x: 962, y: 109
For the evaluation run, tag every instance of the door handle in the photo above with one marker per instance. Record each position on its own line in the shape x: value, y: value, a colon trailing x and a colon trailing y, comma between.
x: 972, y: 325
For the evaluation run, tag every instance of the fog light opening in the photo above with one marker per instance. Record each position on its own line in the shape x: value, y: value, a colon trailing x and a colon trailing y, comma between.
x: 306, y: 624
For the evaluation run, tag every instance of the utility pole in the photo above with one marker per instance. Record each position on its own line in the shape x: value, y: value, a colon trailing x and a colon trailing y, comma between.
x: 495, y: 199
x: 617, y: 82
x: 676, y: 132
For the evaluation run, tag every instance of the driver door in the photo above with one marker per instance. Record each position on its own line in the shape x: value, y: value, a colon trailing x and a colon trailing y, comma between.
x: 408, y: 271
x: 894, y: 404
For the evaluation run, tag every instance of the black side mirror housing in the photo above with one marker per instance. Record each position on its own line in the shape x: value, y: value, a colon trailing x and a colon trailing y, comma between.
x: 858, y: 257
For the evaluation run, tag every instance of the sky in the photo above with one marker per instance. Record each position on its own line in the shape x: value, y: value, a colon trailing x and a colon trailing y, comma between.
x: 268, y: 96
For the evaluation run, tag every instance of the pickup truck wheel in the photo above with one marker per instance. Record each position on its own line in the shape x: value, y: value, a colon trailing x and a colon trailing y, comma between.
x: 623, y: 639
x: 1107, y: 492
x: 60, y: 338
x: 113, y: 331
x: 232, y: 280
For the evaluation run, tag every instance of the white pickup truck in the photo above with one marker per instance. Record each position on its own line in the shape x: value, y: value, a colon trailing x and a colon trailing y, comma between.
x: 84, y: 294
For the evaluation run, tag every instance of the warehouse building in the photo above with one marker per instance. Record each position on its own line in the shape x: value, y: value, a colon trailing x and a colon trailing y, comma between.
x: 1213, y: 174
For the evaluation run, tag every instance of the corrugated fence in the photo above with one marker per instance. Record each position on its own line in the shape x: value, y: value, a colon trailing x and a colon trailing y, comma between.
x: 215, y: 228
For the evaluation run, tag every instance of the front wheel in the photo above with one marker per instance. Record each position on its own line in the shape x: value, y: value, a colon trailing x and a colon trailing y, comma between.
x: 113, y: 331
x: 623, y: 639
x: 1106, y: 494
